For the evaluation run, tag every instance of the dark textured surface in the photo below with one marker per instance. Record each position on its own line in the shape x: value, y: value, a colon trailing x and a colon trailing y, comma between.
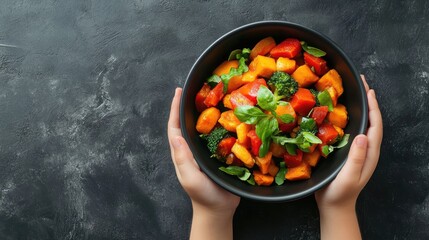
x: 85, y: 89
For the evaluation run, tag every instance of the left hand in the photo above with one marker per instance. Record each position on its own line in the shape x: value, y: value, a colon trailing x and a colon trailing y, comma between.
x: 204, y: 193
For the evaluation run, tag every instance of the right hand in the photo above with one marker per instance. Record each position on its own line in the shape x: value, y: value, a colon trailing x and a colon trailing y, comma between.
x: 362, y: 160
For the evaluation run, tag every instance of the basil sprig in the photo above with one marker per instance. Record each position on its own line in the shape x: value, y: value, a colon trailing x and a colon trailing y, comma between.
x: 266, y: 124
x: 241, y: 172
x: 312, y: 50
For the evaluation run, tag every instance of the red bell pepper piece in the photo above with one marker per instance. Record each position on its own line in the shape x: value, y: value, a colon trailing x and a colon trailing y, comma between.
x: 319, y: 114
x: 214, y: 96
x: 238, y: 99
x: 225, y: 145
x: 201, y: 96
x: 318, y: 64
x: 293, y: 160
x: 289, y: 48
x: 250, y: 90
x: 255, y: 142
x: 327, y: 133
x: 303, y: 101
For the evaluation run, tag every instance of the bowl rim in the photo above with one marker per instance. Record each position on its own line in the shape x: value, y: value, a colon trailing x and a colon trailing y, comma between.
x: 290, y: 197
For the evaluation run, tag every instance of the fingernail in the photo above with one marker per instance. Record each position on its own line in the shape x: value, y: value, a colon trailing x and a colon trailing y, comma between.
x: 177, y: 142
x: 361, y: 141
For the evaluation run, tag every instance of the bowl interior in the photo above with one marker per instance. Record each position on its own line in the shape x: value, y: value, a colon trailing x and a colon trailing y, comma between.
x: 354, y: 98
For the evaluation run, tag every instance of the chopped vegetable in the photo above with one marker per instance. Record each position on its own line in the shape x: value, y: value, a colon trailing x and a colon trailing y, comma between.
x: 283, y: 84
x: 279, y: 111
x: 213, y: 138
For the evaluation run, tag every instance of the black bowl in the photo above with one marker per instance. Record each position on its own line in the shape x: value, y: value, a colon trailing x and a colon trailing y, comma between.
x: 354, y: 98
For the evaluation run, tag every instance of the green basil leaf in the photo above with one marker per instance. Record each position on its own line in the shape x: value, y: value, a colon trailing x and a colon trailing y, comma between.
x: 233, y: 55
x: 308, y: 124
x: 251, y: 180
x: 245, y: 175
x: 213, y: 80
x: 266, y: 99
x: 280, y: 176
x: 311, y: 138
x: 265, y: 128
x: 284, y: 140
x: 249, y: 114
x: 241, y: 172
x: 287, y: 118
x: 245, y: 53
x: 304, y: 146
x: 312, y: 50
x: 343, y: 142
x: 291, y: 148
x: 325, y: 100
x: 326, y: 150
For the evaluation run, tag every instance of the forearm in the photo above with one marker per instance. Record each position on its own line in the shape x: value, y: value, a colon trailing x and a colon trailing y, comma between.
x: 211, y: 225
x: 339, y: 223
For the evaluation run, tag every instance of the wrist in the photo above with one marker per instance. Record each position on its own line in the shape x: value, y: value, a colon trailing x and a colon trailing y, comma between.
x: 217, y: 213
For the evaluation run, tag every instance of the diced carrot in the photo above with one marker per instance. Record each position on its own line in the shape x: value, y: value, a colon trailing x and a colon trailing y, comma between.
x: 242, y: 130
x: 263, y: 47
x: 286, y: 109
x: 207, y: 120
x: 301, y: 172
x: 234, y: 83
x: 229, y: 121
x: 286, y: 65
x: 311, y: 158
x: 262, y: 179
x: 264, y: 162
x: 273, y: 169
x: 338, y: 116
x: 226, y: 101
x: 303, y: 101
x: 225, y: 67
x: 249, y: 76
x: 263, y: 66
x: 277, y: 150
x: 304, y: 76
x: 243, y: 154
x: 330, y: 79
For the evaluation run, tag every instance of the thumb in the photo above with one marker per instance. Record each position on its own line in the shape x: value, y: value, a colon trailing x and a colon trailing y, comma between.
x: 353, y: 168
x: 183, y: 160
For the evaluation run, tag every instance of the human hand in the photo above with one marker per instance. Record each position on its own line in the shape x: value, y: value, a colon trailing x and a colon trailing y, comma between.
x: 337, y: 201
x: 205, y: 194
x: 363, y: 156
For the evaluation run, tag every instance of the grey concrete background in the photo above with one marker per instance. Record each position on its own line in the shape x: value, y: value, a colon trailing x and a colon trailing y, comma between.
x: 85, y: 89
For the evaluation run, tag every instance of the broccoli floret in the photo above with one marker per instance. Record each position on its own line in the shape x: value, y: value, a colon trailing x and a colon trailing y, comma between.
x: 213, y: 138
x: 283, y: 84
